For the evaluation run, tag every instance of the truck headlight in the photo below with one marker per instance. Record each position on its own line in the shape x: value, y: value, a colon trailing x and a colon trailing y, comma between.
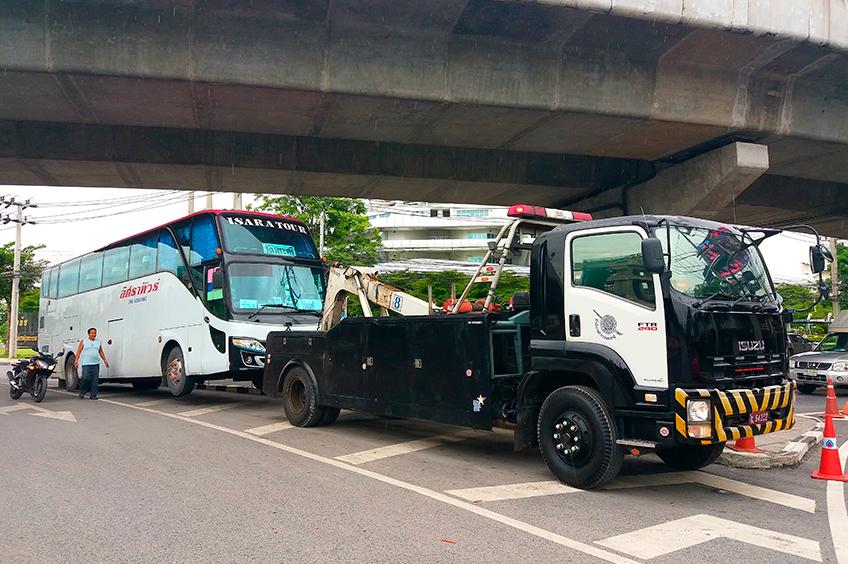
x: 793, y: 363
x: 839, y: 366
x: 698, y: 411
x: 248, y: 344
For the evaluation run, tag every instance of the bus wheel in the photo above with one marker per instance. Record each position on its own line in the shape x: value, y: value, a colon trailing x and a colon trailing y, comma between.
x: 71, y: 376
x: 146, y: 384
x: 577, y: 438
x: 691, y: 457
x: 299, y: 399
x: 807, y: 389
x: 179, y: 383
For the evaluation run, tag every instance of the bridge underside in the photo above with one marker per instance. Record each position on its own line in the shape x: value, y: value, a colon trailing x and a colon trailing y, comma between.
x: 479, y: 101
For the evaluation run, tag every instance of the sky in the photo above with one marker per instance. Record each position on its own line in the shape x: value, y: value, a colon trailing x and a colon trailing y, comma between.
x: 67, y: 231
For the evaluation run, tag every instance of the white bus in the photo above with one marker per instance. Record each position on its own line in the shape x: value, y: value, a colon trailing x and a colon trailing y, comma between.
x: 185, y: 302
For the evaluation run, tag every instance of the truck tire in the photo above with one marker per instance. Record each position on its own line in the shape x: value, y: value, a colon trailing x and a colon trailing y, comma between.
x: 179, y: 383
x: 330, y: 416
x: 71, y: 375
x: 299, y: 399
x: 147, y: 384
x: 576, y: 416
x: 807, y: 389
x: 691, y: 457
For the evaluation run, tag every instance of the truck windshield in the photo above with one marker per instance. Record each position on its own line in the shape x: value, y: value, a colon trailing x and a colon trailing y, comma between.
x: 715, y: 263
x: 267, y: 235
x: 296, y: 288
x: 834, y: 342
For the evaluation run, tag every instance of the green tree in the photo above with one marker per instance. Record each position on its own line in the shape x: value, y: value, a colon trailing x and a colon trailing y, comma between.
x: 31, y: 269
x: 349, y: 238
x: 800, y: 296
x: 30, y: 299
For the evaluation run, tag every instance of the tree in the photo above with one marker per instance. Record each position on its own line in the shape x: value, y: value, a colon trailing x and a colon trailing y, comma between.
x: 349, y: 238
x: 31, y: 270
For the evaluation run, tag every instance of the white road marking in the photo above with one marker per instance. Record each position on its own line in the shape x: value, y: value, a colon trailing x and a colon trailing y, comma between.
x: 837, y: 514
x: 151, y: 403
x: 533, y: 489
x: 513, y: 491
x: 403, y: 448
x: 9, y: 409
x: 268, y: 429
x: 60, y: 415
x: 679, y: 534
x: 210, y: 409
x: 431, y: 494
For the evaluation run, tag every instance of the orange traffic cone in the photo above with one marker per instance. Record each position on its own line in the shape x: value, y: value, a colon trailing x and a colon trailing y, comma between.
x: 829, y: 468
x: 830, y: 406
x: 744, y: 444
x: 845, y: 409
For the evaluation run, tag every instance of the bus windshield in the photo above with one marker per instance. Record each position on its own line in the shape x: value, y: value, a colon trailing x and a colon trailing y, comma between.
x: 274, y: 236
x: 716, y: 264
x: 295, y: 288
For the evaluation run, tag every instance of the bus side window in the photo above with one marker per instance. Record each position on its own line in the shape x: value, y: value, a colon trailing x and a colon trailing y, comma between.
x: 169, y: 255
x: 143, y: 256
x: 91, y: 272
x: 69, y: 278
x: 204, y: 240
x: 45, y: 284
x: 54, y: 282
x: 116, y: 265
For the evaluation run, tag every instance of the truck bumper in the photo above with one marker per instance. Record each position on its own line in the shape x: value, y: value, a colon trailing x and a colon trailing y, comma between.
x: 731, y: 412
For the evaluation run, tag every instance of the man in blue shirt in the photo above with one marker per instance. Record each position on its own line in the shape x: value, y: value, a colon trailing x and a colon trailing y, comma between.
x: 89, y: 353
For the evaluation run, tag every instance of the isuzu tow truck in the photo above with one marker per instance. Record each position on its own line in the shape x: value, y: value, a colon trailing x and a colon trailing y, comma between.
x: 639, y: 334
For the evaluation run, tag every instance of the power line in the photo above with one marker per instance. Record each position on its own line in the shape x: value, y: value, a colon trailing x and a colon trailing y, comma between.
x: 52, y: 220
x: 159, y: 197
x: 125, y: 199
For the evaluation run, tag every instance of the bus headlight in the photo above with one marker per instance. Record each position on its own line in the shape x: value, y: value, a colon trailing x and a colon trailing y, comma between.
x: 698, y: 411
x: 248, y: 344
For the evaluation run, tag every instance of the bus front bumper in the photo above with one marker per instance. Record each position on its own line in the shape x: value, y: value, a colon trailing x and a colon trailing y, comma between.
x: 708, y: 416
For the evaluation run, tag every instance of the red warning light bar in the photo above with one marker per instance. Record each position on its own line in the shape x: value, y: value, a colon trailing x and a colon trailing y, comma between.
x: 537, y: 212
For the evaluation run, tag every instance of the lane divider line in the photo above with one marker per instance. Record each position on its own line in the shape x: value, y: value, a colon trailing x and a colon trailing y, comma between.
x: 210, y: 409
x: 151, y: 403
x: 403, y: 448
x: 425, y: 492
x: 268, y: 429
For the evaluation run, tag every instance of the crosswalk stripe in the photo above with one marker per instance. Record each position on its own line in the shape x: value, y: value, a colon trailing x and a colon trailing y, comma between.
x: 512, y: 491
x: 207, y: 410
x: 402, y: 448
x: 268, y: 429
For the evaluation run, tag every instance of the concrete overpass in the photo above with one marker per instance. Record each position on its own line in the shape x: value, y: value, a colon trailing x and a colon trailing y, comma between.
x: 734, y: 109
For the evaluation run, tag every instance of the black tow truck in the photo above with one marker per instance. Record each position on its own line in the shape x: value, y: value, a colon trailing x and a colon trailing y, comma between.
x: 639, y: 334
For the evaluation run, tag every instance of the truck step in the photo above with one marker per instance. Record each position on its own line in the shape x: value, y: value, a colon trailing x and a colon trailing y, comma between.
x: 636, y: 443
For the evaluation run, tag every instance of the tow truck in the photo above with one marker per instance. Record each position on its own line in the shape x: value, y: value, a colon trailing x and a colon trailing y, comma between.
x: 639, y: 334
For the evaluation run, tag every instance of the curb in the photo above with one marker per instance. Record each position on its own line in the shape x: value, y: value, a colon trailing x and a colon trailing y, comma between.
x: 792, y: 454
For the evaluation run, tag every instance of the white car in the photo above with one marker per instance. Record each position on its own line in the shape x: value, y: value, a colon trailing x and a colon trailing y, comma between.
x: 829, y: 360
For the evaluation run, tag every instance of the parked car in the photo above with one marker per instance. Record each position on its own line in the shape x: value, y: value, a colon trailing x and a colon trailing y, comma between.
x: 798, y: 344
x: 828, y: 360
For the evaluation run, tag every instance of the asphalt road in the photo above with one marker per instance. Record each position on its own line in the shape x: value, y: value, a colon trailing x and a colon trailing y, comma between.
x: 144, y: 477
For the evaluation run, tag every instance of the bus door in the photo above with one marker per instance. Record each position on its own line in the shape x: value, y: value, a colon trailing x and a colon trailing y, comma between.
x: 113, y: 346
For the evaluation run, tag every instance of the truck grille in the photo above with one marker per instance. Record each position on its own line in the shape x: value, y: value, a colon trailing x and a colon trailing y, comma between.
x: 814, y: 365
x: 748, y: 371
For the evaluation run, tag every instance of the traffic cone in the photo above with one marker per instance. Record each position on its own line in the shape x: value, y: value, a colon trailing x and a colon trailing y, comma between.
x: 831, y: 407
x: 845, y: 409
x: 830, y: 468
x: 744, y: 444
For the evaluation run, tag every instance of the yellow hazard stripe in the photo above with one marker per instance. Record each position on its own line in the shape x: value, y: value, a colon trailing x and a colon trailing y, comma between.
x: 680, y: 425
x: 752, y: 399
x: 680, y: 396
x: 779, y: 425
x: 737, y: 397
x: 766, y: 398
x: 719, y: 426
x: 778, y: 397
x: 725, y: 403
x: 787, y: 396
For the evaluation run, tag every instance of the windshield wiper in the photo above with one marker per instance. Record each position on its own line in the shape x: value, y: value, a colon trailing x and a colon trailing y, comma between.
x: 263, y: 306
x: 705, y: 301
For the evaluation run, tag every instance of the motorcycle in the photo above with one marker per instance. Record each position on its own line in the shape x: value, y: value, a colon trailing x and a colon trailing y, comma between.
x: 31, y: 375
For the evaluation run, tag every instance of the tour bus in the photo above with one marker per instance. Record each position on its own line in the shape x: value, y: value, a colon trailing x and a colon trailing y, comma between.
x: 188, y: 301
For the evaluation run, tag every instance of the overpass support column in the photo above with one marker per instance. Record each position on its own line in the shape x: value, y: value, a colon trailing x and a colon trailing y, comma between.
x: 703, y: 186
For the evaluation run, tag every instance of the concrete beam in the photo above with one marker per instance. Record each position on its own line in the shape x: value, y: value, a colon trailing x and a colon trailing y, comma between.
x: 703, y: 186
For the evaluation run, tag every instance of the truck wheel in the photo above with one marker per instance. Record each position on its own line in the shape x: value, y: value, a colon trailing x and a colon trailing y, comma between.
x: 691, y: 457
x: 330, y: 416
x: 179, y: 383
x: 577, y: 438
x: 147, y: 384
x: 299, y: 399
x: 71, y: 375
x: 807, y: 389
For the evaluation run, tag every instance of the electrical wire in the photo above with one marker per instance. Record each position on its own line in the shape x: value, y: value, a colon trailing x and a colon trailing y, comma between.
x: 52, y: 220
x: 156, y: 198
x: 125, y: 199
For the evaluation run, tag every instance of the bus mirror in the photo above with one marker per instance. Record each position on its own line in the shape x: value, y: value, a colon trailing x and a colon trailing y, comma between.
x: 652, y: 256
x: 818, y: 254
x: 217, y: 279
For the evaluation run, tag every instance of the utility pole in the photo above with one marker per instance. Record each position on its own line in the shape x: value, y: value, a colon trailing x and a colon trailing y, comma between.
x: 190, y: 200
x: 16, y: 272
x: 208, y: 200
x: 237, y: 201
x: 321, y: 233
x: 834, y: 277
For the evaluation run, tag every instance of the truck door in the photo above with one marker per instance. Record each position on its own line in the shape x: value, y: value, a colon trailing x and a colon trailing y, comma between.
x: 113, y: 348
x: 611, y: 302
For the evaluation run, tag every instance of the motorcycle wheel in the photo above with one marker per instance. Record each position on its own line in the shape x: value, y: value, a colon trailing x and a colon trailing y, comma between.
x: 15, y: 393
x: 39, y: 389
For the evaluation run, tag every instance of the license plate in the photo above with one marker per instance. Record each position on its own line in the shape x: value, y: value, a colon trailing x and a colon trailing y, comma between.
x: 808, y: 372
x: 758, y: 418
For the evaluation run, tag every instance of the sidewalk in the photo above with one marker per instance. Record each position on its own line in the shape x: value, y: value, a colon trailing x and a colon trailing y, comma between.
x: 784, y: 448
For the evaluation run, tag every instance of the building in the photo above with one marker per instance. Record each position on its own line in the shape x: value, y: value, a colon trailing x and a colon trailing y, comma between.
x: 422, y: 230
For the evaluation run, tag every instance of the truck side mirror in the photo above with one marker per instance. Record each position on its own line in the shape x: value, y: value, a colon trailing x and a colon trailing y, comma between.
x: 652, y: 255
x: 818, y: 254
